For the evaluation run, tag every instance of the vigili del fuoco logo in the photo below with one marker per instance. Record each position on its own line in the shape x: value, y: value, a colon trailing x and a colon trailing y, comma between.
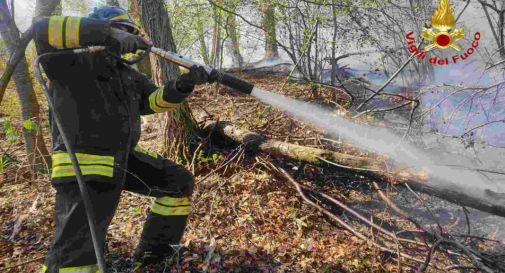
x: 442, y: 35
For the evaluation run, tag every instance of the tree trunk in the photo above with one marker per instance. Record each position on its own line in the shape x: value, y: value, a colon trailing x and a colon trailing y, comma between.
x: 36, y: 149
x: 234, y: 44
x: 481, y: 199
x: 268, y: 23
x: 46, y: 8
x: 113, y: 3
x: 80, y: 7
x: 216, y: 39
x: 204, y: 52
x: 179, y: 123
x: 143, y: 66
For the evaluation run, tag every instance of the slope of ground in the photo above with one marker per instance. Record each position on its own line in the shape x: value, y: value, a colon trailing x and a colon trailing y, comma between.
x: 245, y: 218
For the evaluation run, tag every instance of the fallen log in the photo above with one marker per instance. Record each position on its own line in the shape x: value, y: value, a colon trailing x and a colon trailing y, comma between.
x: 488, y: 199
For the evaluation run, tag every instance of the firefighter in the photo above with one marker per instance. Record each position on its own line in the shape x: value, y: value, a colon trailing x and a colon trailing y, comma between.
x: 100, y: 101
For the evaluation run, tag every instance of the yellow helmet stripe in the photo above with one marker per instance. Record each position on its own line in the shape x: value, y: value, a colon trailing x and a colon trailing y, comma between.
x: 120, y: 17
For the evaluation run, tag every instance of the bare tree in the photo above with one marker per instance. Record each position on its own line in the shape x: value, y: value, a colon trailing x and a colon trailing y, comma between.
x: 216, y: 47
x: 269, y: 25
x: 233, y: 34
x: 201, y: 32
x: 496, y: 21
x: 36, y: 150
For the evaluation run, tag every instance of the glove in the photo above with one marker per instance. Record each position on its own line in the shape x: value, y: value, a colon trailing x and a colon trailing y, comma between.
x: 197, y: 75
x: 127, y: 42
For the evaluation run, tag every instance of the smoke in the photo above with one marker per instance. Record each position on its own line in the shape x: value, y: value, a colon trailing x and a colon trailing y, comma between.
x: 458, y: 102
x: 378, y: 140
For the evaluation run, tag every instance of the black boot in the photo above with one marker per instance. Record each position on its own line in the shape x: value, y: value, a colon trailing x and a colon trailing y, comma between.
x: 160, y: 238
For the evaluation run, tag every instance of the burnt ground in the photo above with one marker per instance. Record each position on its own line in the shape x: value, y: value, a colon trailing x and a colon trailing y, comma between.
x: 245, y: 218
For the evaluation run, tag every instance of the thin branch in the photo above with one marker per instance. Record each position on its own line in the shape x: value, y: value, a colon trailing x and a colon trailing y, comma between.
x: 463, y: 10
x: 337, y: 219
x: 412, y: 56
x: 424, y: 266
x: 22, y: 263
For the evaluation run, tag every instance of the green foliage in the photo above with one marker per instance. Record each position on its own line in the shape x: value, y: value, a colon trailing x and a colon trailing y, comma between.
x: 5, y: 161
x: 30, y: 125
x: 11, y: 134
x: 211, y: 158
x: 189, y: 20
x: 135, y: 210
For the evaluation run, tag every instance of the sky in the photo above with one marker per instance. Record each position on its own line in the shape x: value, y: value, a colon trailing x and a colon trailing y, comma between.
x: 24, y: 11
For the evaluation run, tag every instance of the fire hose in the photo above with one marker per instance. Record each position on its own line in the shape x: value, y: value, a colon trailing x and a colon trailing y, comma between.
x: 223, y: 78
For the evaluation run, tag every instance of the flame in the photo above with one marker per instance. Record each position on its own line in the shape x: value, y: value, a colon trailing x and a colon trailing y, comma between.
x: 443, y: 17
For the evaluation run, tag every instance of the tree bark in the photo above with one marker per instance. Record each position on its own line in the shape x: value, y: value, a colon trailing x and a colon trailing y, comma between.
x: 234, y: 44
x: 143, y: 66
x: 113, y: 3
x: 334, y: 45
x: 202, y: 48
x: 268, y: 23
x: 36, y: 149
x: 156, y: 23
x: 216, y: 49
x: 179, y: 124
x: 46, y: 8
x: 484, y: 200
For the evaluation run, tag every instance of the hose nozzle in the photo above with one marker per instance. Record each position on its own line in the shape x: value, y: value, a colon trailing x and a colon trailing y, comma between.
x: 223, y: 78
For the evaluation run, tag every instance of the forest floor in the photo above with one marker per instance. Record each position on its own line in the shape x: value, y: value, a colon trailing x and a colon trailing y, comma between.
x: 245, y: 217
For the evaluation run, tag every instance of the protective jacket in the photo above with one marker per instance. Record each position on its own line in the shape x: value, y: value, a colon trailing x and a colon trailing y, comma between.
x: 99, y: 99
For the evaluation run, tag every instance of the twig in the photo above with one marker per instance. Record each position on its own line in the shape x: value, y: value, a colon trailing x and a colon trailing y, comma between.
x: 385, y: 109
x: 389, y: 80
x: 360, y: 217
x: 460, y: 268
x: 300, y: 58
x: 463, y: 10
x: 393, y: 206
x: 339, y: 220
x: 467, y: 218
x: 424, y: 266
x: 220, y: 167
x: 476, y: 237
x: 470, y: 254
x: 23, y: 263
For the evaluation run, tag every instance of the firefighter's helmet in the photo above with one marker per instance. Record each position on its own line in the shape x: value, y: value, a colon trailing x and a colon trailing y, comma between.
x: 117, y: 16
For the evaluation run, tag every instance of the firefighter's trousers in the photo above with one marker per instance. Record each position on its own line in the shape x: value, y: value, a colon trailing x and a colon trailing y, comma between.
x: 147, y: 174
